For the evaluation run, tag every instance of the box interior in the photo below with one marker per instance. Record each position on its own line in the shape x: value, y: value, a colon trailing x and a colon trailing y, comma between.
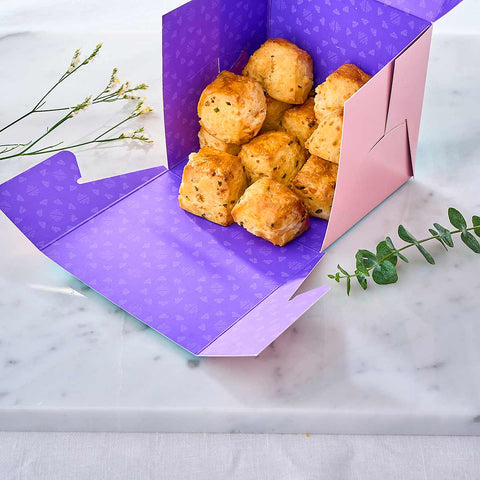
x: 204, y: 37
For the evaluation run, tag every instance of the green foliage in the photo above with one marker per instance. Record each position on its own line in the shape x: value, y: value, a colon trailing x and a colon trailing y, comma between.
x: 114, y: 91
x: 476, y: 224
x: 381, y: 266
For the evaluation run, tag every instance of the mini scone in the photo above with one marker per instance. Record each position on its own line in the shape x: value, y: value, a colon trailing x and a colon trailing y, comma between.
x: 270, y: 210
x: 338, y: 88
x: 284, y: 70
x: 232, y: 108
x: 300, y: 121
x: 207, y: 140
x: 275, y: 111
x: 212, y: 182
x: 315, y: 184
x: 326, y: 140
x: 275, y: 155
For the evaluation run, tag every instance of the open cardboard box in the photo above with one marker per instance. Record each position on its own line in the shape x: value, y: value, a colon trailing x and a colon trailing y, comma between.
x: 220, y: 291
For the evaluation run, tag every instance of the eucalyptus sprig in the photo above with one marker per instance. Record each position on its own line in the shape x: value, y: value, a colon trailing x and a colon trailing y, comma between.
x: 381, y: 266
x: 114, y: 91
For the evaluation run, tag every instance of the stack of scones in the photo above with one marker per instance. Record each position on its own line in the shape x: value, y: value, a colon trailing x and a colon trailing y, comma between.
x: 269, y: 144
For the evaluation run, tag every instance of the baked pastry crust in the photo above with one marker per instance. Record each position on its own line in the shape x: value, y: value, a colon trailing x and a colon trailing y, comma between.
x: 207, y: 140
x: 325, y: 141
x: 275, y: 110
x: 338, y: 88
x: 270, y: 210
x: 232, y: 108
x: 284, y: 70
x: 212, y: 182
x: 315, y: 184
x: 275, y: 155
x: 300, y: 121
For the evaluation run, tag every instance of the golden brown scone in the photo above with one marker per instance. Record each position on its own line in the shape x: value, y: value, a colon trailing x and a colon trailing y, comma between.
x: 338, y: 88
x: 275, y: 111
x: 207, y: 140
x: 326, y: 140
x: 284, y: 70
x: 300, y: 121
x: 315, y: 186
x: 272, y: 211
x: 212, y: 182
x: 276, y: 155
x: 232, y: 108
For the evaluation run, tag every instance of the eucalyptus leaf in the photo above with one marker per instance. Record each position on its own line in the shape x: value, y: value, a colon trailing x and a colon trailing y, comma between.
x: 349, y: 283
x: 476, y: 224
x: 470, y: 241
x: 383, y: 250
x: 389, y: 242
x: 343, y: 271
x: 368, y: 258
x: 361, y: 267
x: 385, y: 273
x: 361, y: 279
x: 437, y: 236
x: 405, y: 235
x: 457, y: 219
x: 444, y: 234
x: 427, y: 256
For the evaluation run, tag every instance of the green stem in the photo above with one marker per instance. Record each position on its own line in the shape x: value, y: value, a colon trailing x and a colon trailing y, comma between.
x: 62, y: 109
x: 115, y: 126
x: 17, y: 120
x: 35, y: 109
x: 25, y: 150
x: 105, y: 140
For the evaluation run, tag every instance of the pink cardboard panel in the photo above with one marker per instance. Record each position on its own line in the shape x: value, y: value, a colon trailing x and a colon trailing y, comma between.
x: 364, y: 125
x: 380, y: 137
x: 408, y: 87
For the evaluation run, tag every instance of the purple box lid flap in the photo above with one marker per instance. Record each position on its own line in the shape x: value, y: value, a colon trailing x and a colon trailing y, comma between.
x: 430, y: 10
x: 187, y: 278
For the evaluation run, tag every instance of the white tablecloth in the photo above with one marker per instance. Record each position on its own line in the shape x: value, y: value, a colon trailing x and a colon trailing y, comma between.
x: 104, y: 456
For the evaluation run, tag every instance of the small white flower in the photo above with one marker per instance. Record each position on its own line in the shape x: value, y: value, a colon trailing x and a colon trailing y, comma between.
x: 144, y: 109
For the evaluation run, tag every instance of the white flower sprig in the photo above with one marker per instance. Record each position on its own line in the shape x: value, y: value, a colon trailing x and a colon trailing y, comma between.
x: 114, y: 91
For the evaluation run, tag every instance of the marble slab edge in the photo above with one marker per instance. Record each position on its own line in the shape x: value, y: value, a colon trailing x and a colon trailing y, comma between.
x: 264, y: 420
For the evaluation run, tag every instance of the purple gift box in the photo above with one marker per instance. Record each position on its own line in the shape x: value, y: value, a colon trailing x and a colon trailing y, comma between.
x: 215, y: 291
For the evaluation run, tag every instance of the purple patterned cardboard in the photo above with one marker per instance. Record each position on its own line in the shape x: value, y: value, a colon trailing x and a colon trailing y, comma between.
x: 47, y: 202
x: 214, y: 290
x: 430, y: 10
x: 205, y: 36
x: 187, y: 278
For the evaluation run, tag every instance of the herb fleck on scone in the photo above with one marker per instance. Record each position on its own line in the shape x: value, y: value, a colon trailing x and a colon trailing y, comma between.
x: 284, y: 70
x: 314, y: 184
x: 232, y: 108
x: 275, y: 155
x: 212, y: 182
x: 272, y: 211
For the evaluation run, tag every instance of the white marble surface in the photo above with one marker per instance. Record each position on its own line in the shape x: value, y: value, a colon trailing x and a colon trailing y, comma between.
x: 399, y: 359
